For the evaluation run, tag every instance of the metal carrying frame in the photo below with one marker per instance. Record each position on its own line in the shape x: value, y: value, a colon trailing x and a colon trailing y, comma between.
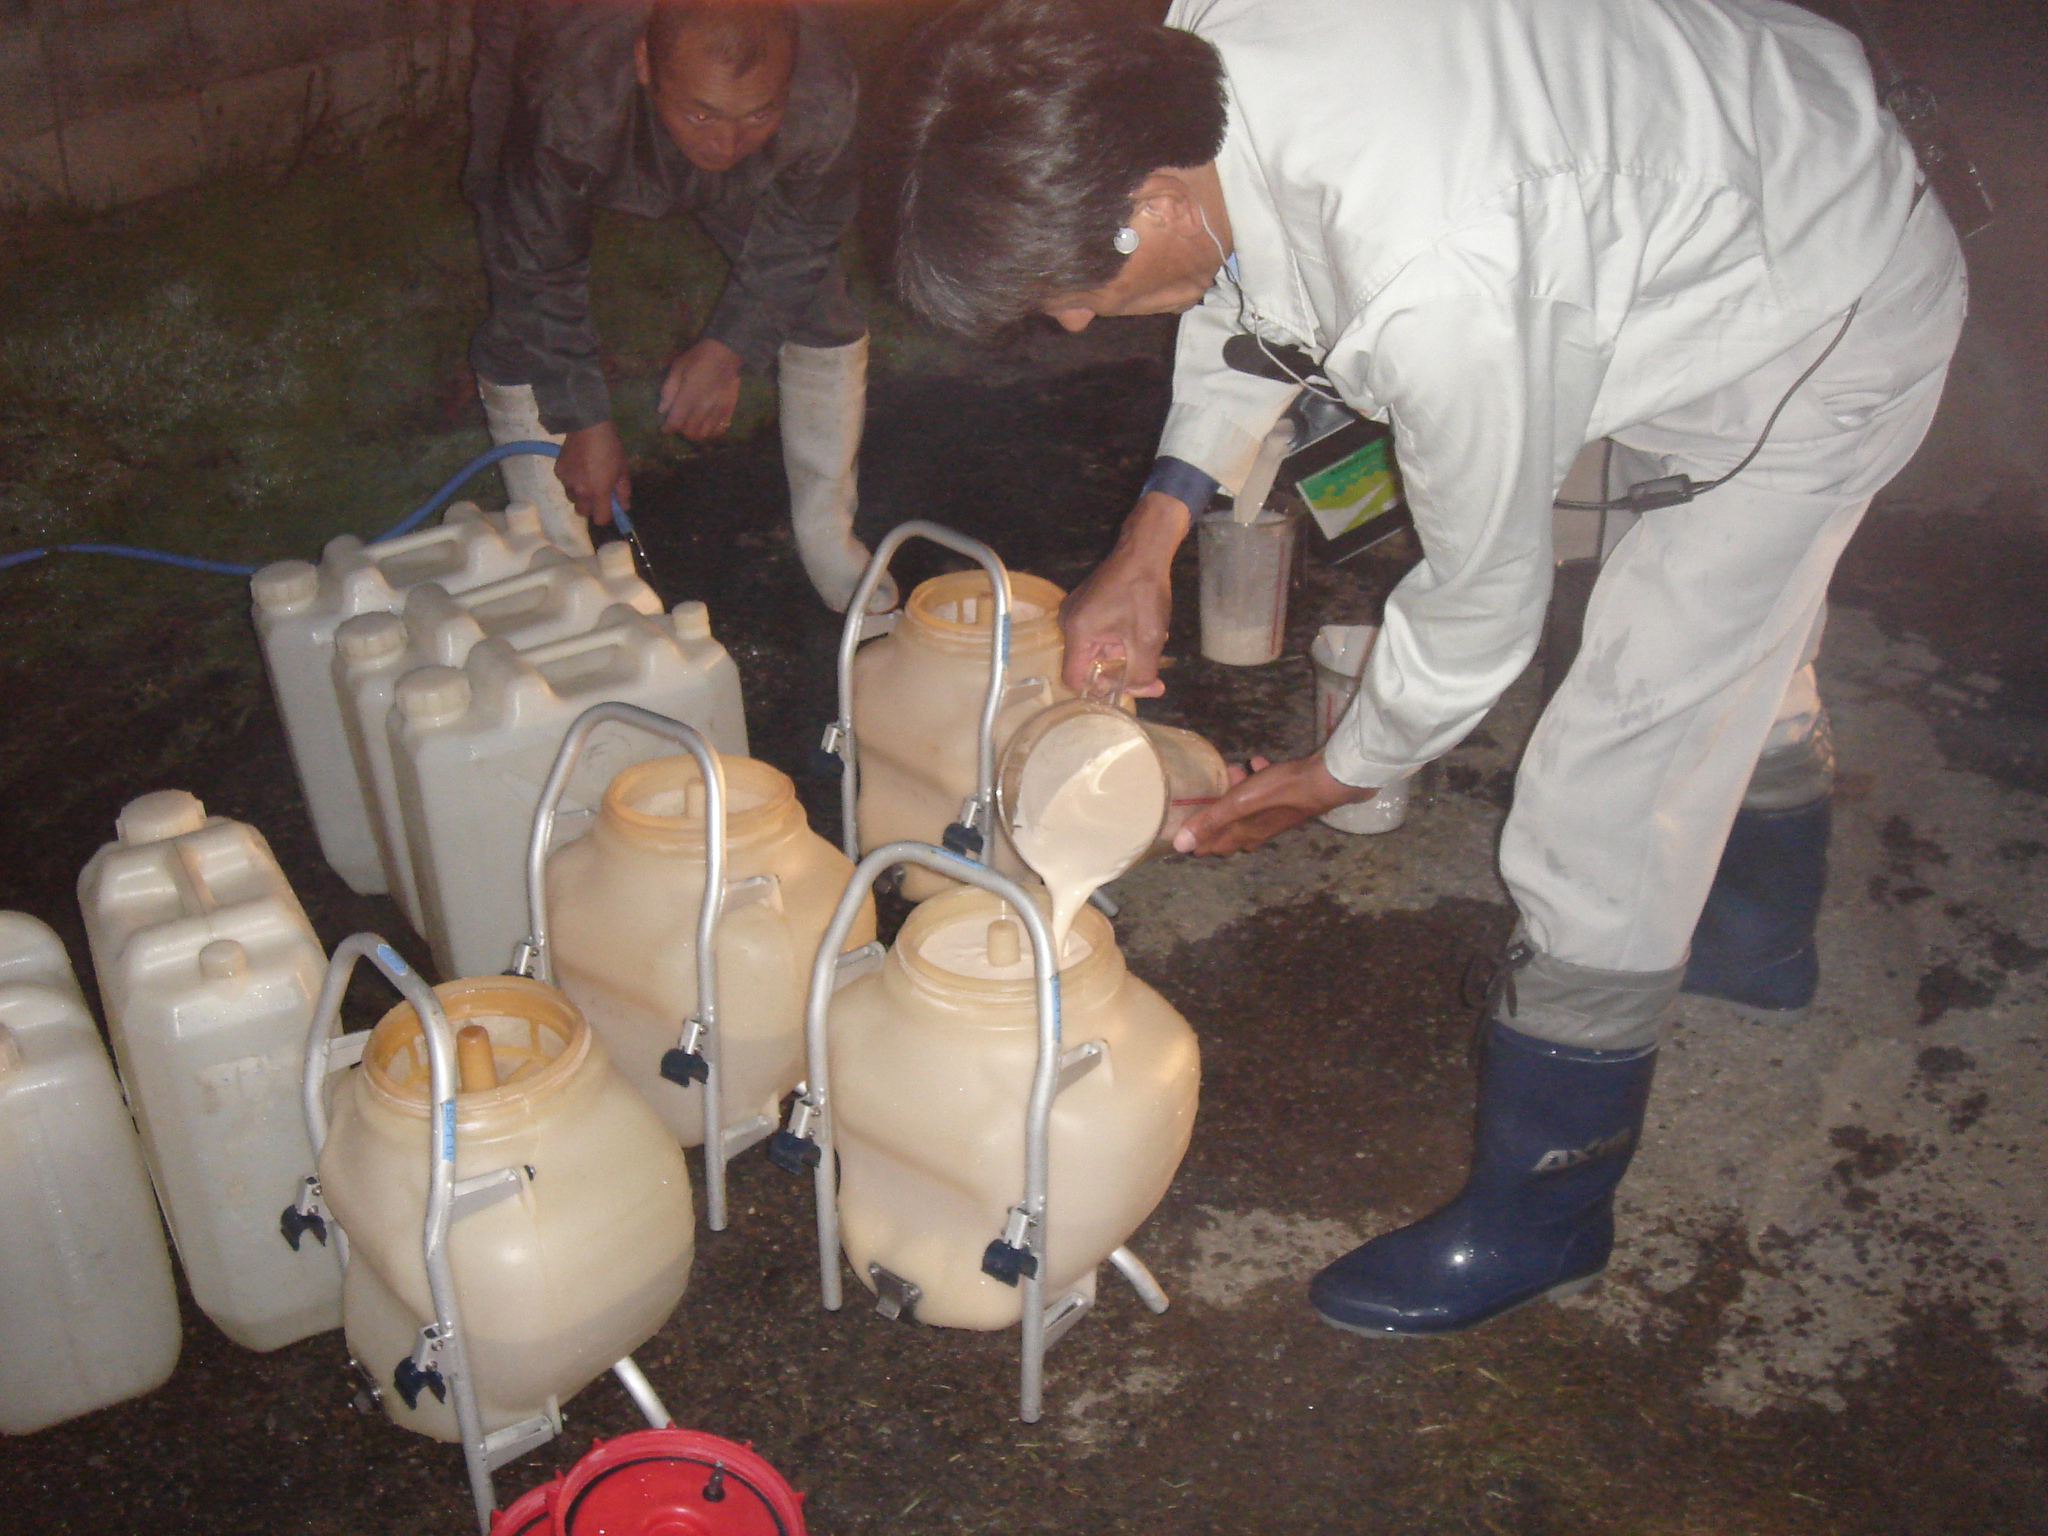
x: 439, y: 1362
x: 970, y: 835
x: 1014, y: 1257
x: 698, y: 1049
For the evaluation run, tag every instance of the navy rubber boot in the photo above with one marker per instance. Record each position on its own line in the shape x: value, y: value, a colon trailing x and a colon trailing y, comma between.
x: 1754, y: 942
x: 1557, y: 1127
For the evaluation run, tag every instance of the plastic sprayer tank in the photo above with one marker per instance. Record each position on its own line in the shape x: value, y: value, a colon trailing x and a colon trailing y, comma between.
x: 88, y: 1316
x: 298, y: 607
x: 932, y: 1058
x: 623, y: 904
x: 571, y: 1272
x: 208, y: 971
x: 918, y: 694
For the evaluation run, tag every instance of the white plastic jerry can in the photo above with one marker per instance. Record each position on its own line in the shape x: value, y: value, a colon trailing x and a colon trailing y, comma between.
x: 932, y: 1058
x: 298, y: 607
x: 208, y: 971
x: 578, y: 1267
x: 472, y: 746
x: 623, y: 904
x: 555, y: 597
x: 88, y: 1314
x: 918, y: 694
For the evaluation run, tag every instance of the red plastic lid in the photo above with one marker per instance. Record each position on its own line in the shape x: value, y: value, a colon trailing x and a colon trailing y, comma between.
x: 675, y: 1482
x: 528, y: 1515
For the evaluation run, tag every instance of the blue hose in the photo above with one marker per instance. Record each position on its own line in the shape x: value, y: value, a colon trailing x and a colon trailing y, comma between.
x: 433, y: 504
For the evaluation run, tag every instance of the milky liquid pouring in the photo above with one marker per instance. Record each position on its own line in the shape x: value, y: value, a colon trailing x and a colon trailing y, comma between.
x: 1090, y: 799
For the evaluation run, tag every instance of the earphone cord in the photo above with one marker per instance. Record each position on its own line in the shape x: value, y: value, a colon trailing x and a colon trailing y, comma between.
x: 1650, y: 494
x: 1250, y: 328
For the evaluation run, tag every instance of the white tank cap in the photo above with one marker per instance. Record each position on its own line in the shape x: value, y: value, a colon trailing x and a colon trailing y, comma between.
x: 522, y: 520
x: 692, y: 621
x: 432, y: 693
x: 10, y: 1050
x: 615, y: 560
x: 222, y: 959
x: 369, y: 637
x: 153, y: 817
x: 284, y: 584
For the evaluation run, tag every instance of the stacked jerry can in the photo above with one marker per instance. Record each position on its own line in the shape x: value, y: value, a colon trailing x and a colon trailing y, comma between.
x: 424, y: 683
x: 554, y: 598
x: 88, y: 1316
x: 472, y: 745
x: 298, y: 608
x: 208, y: 971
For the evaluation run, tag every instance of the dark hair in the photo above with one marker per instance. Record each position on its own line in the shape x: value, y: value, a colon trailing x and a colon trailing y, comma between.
x: 1027, y: 126
x: 740, y: 34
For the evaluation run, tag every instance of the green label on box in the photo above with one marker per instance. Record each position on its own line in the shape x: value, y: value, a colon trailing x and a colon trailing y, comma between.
x: 1353, y: 491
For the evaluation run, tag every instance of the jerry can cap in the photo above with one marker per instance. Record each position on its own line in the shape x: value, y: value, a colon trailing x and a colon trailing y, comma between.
x: 692, y: 621
x: 432, y: 693
x: 161, y: 814
x: 284, y: 584
x: 370, y: 637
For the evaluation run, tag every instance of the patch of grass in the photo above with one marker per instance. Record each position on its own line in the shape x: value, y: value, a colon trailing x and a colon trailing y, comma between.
x: 246, y: 370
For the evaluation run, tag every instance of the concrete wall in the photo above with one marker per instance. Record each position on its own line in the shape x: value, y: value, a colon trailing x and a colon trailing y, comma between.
x: 106, y: 101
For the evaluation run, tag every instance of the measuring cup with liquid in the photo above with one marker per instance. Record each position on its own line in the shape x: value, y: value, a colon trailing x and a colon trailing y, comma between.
x: 1086, y: 790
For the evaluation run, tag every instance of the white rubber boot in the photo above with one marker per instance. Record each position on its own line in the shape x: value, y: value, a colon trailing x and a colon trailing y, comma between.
x: 514, y: 417
x: 824, y: 403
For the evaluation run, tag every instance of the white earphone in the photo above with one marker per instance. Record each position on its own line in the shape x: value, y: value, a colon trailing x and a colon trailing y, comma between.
x: 1125, y: 240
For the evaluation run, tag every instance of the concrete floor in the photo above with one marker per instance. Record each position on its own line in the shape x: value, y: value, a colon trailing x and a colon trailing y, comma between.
x: 1829, y: 1311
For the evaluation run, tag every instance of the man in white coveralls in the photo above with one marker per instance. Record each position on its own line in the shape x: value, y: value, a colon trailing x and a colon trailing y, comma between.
x: 1508, y: 228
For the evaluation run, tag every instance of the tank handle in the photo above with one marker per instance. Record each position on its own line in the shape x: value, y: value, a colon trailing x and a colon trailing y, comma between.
x: 976, y: 824
x: 1018, y: 1252
x: 697, y: 1052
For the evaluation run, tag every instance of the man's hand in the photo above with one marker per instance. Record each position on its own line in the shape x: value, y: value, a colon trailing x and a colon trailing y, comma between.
x: 592, y: 469
x: 1272, y: 798
x: 701, y: 391
x: 1122, y: 609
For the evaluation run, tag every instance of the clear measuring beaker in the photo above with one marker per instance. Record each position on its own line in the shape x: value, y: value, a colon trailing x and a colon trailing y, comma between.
x: 1246, y: 569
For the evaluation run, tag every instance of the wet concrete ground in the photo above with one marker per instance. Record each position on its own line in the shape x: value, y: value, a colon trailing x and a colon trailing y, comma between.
x: 1827, y: 1311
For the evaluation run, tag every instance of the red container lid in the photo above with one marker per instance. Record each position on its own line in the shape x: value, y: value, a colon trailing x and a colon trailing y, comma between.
x: 674, y: 1482
x: 529, y: 1514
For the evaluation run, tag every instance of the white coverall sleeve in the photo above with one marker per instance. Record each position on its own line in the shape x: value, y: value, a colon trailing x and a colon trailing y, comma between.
x: 1219, y: 416
x: 1490, y: 393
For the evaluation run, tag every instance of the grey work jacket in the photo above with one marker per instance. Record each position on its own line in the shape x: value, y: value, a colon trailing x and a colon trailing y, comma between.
x: 560, y: 127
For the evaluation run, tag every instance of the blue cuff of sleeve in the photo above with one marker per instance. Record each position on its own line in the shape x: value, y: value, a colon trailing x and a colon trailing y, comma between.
x: 1181, y: 480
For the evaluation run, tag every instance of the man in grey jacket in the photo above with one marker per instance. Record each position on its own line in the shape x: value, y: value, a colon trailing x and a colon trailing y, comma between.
x: 741, y: 114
